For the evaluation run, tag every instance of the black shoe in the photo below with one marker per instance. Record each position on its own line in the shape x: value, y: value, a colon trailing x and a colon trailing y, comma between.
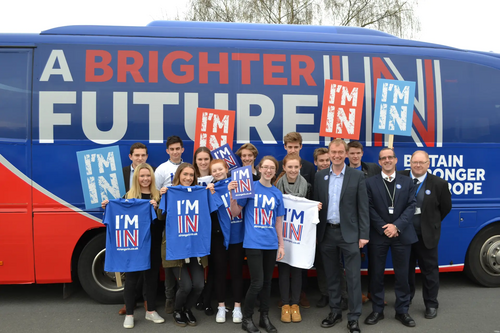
x: 248, y: 325
x: 431, y: 313
x: 331, y: 320
x: 353, y: 326
x: 200, y: 306
x: 209, y: 311
x: 180, y: 318
x: 374, y: 317
x: 405, y: 319
x: 323, y: 301
x: 191, y: 319
x: 266, y: 324
x: 344, y: 304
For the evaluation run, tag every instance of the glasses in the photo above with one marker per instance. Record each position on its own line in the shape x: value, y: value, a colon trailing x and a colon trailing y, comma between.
x: 419, y: 162
x: 390, y: 158
x: 265, y: 167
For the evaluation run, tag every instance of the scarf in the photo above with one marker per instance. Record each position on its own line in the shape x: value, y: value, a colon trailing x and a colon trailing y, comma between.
x: 298, y: 189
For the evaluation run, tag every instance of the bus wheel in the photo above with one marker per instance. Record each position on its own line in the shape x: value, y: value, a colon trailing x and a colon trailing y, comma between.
x: 483, y: 257
x: 99, y: 284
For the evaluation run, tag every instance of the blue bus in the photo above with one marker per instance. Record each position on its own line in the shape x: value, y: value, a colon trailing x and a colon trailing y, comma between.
x: 74, y: 88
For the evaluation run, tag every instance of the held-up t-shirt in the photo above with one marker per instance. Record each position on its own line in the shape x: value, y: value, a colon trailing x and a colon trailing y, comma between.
x: 299, y: 231
x: 188, y: 225
x: 232, y: 228
x: 260, y: 213
x: 128, y: 235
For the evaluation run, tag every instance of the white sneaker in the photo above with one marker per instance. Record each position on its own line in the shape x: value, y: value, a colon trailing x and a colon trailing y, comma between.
x: 221, y: 314
x: 237, y: 315
x: 128, y: 322
x: 154, y: 317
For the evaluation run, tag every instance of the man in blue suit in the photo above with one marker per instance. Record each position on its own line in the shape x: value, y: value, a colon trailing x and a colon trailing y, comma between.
x: 392, y: 205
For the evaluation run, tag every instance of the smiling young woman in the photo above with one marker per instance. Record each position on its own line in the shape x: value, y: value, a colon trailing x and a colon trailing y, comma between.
x: 263, y: 241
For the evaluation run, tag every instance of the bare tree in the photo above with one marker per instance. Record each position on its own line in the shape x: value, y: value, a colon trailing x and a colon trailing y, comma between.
x: 393, y: 16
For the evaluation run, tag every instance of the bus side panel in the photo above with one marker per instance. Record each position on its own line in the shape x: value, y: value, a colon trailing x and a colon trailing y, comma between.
x: 56, y: 236
x: 16, y: 234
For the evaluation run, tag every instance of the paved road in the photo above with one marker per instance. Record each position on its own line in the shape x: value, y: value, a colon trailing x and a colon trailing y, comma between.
x: 465, y: 307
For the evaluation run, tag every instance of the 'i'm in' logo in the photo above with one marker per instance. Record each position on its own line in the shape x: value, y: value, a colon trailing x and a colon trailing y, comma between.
x: 263, y: 210
x: 188, y: 216
x: 293, y: 223
x: 127, y: 231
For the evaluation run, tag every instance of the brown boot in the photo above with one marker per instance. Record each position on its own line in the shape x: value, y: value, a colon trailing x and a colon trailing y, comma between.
x: 123, y: 311
x: 285, y: 313
x: 304, y: 302
x: 296, y: 317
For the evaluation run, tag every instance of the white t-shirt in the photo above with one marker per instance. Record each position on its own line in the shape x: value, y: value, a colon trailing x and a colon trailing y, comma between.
x: 299, y: 231
x: 164, y: 174
x: 205, y: 180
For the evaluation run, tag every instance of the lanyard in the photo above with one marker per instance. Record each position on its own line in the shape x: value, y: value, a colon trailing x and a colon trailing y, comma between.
x: 422, y: 183
x: 393, y: 193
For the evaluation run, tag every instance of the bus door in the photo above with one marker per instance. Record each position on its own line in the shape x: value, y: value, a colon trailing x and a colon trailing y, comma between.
x: 16, y: 229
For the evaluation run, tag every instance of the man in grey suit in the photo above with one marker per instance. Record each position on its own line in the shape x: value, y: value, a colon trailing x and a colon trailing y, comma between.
x: 344, y: 227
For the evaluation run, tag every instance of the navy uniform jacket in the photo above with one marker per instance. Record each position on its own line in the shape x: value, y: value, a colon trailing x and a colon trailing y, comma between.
x: 436, y: 205
x: 404, y: 208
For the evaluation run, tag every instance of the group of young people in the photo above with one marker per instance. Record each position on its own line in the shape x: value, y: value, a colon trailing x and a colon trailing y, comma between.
x: 238, y: 229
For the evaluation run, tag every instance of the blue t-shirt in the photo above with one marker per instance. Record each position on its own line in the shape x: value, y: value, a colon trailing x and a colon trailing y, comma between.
x: 232, y: 228
x: 260, y: 217
x: 188, y: 226
x: 128, y: 235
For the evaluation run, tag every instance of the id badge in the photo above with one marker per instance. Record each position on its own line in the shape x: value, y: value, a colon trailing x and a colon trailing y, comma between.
x: 391, y: 210
x: 418, y: 211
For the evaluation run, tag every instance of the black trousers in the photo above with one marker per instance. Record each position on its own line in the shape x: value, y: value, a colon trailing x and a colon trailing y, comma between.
x: 285, y: 271
x: 400, y: 261
x: 261, y: 266
x: 428, y: 262
x: 220, y: 259
x: 148, y: 277
x: 332, y: 245
x: 190, y: 278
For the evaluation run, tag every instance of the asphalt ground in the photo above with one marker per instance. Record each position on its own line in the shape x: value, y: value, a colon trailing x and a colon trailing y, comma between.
x: 464, y: 307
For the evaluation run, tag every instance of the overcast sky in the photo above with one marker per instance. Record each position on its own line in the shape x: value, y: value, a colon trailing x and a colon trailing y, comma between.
x: 459, y: 23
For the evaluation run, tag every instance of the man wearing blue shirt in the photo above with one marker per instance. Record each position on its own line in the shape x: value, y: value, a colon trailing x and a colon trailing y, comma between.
x: 344, y: 227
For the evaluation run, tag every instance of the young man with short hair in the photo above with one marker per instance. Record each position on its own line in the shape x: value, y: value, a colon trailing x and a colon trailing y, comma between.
x: 164, y: 175
x: 321, y: 158
x: 293, y: 144
x: 138, y: 154
x: 354, y: 154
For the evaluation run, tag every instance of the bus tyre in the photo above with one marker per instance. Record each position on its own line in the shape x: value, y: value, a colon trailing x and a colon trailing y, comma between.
x: 99, y: 284
x: 482, y: 262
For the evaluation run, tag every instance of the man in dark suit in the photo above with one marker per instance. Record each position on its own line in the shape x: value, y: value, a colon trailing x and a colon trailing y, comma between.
x: 433, y: 204
x: 138, y: 154
x: 392, y: 205
x: 355, y: 154
x: 343, y: 227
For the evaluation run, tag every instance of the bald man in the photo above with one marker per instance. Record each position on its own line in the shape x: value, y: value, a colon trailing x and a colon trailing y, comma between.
x: 433, y: 204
